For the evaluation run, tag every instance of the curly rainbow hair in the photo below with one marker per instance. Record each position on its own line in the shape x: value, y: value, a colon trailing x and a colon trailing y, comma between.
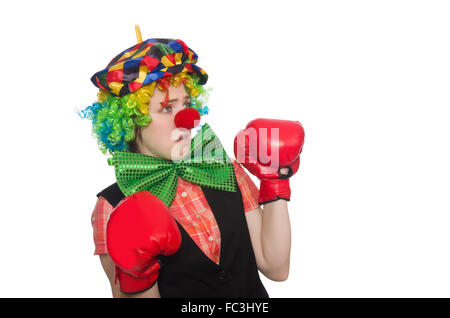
x: 117, y: 120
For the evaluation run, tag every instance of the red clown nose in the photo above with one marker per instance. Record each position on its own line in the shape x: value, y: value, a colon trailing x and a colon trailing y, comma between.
x: 187, y: 118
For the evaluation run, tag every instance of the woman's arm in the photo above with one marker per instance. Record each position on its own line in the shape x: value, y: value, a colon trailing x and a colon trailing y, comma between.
x: 270, y: 233
x: 108, y: 266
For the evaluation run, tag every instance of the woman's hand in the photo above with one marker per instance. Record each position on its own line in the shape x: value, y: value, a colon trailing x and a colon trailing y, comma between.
x: 270, y: 150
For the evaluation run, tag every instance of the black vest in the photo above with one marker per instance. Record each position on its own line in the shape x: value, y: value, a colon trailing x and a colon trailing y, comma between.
x: 190, y: 273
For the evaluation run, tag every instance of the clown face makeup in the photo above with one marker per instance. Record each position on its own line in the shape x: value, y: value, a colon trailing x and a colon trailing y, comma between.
x: 161, y: 138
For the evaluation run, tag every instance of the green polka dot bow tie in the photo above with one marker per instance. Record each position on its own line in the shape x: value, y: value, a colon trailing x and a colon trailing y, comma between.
x: 207, y: 165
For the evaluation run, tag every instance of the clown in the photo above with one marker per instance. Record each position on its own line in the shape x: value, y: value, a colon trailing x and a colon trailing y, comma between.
x: 183, y: 219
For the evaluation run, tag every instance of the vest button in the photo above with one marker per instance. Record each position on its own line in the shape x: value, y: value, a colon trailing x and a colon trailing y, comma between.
x: 222, y: 274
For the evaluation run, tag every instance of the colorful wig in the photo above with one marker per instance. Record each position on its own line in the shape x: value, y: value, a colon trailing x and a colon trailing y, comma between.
x: 115, y: 120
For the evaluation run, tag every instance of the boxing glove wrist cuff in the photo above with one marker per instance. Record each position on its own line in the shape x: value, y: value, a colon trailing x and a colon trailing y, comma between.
x: 132, y: 285
x: 274, y: 189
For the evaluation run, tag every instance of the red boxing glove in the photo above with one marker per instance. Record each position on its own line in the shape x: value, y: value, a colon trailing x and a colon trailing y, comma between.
x: 139, y: 230
x: 266, y: 146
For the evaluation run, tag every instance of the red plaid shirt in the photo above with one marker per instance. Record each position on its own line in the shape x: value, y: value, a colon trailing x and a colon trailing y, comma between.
x: 190, y: 209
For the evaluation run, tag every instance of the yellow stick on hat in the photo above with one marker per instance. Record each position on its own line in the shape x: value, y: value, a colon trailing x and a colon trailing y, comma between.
x: 138, y: 34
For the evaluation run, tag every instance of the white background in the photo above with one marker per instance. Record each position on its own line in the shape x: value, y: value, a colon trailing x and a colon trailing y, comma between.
x: 369, y: 80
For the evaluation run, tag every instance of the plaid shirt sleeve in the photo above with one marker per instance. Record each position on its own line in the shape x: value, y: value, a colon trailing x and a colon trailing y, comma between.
x: 250, y: 192
x: 99, y: 219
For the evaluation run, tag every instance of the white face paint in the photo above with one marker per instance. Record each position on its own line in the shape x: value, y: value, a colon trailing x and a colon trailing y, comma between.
x: 161, y: 138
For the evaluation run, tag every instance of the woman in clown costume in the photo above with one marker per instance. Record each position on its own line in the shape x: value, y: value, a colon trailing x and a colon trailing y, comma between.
x: 183, y: 218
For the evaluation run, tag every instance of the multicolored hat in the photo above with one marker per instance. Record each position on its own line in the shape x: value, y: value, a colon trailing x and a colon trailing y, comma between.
x: 146, y: 62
